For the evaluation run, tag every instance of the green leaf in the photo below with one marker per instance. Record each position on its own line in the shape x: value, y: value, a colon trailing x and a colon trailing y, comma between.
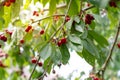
x: 1, y: 23
x: 46, y: 51
x: 27, y: 2
x: 15, y: 9
x: 56, y: 56
x: 88, y: 57
x: 52, y: 6
x: 74, y: 8
x: 79, y: 27
x: 65, y: 54
x: 90, y: 47
x: 98, y: 38
x: 44, y: 2
x: 74, y: 38
x: 47, y: 64
x: 1, y: 11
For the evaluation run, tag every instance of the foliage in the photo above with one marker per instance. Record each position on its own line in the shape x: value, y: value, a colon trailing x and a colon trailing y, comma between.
x: 49, y: 29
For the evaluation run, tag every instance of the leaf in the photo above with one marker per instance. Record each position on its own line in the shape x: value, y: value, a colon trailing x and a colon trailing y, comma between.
x: 15, y: 9
x: 1, y: 11
x: 79, y: 27
x: 74, y: 38
x: 56, y: 56
x: 65, y: 54
x: 74, y: 8
x: 1, y: 23
x: 47, y: 64
x: 88, y: 57
x: 99, y: 39
x: 27, y: 2
x: 52, y: 6
x: 46, y: 51
x: 90, y: 47
x: 44, y: 2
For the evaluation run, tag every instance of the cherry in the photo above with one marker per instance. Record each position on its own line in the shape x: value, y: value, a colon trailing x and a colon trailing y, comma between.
x: 35, y: 13
x: 22, y: 41
x: 34, y: 60
x: 63, y: 40
x: 118, y: 44
x: 40, y: 64
x: 56, y: 18
x: 88, y: 18
x: 29, y: 27
x: 95, y: 78
x: 12, y: 1
x: 67, y: 18
x: 9, y: 32
x: 59, y: 43
x: 112, y: 4
x: 7, y: 4
x: 3, y: 38
x: 42, y: 31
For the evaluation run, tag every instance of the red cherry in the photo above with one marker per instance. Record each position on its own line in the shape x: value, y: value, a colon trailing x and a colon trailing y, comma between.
x: 35, y: 13
x: 56, y: 18
x: 9, y: 32
x: 118, y: 45
x: 95, y: 78
x: 42, y: 32
x: 22, y: 41
x: 28, y: 28
x: 67, y: 18
x: 34, y: 60
x: 59, y: 43
x: 88, y: 18
x: 3, y: 38
x: 87, y: 21
x: 63, y: 40
x: 112, y: 4
x: 12, y: 1
x: 7, y: 4
x: 40, y: 64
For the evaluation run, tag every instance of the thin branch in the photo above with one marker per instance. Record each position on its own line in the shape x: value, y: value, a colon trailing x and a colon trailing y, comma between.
x: 110, y: 52
x: 85, y: 9
x: 81, y: 2
x: 48, y: 17
x: 53, y: 36
x: 34, y: 69
x: 58, y: 7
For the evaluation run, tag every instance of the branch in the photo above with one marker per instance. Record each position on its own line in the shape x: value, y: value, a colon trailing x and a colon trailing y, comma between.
x: 110, y: 52
x: 52, y: 37
x: 34, y: 68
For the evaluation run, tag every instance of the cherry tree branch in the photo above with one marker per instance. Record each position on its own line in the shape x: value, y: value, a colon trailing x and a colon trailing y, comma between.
x: 104, y: 66
x: 51, y: 38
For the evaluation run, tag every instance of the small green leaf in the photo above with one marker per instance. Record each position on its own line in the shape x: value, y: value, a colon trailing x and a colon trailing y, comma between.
x: 74, y: 38
x: 56, y: 56
x: 90, y: 47
x: 65, y: 54
x: 52, y: 6
x: 46, y: 51
x: 88, y: 57
x: 100, y: 39
x: 44, y: 2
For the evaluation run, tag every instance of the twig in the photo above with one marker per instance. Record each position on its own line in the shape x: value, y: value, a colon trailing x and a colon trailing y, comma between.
x: 34, y: 69
x: 58, y: 7
x: 53, y: 36
x: 110, y: 53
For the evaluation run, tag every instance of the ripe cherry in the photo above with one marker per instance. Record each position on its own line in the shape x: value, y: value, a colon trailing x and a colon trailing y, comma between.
x: 35, y: 13
x: 112, y: 4
x: 95, y: 78
x: 12, y: 1
x: 63, y: 40
x: 28, y: 28
x: 34, y: 60
x: 67, y: 18
x: 9, y: 32
x: 118, y: 44
x: 56, y: 18
x: 7, y: 4
x: 59, y: 43
x: 40, y: 64
x: 42, y: 31
x: 22, y: 41
x: 3, y: 38
x: 88, y: 18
